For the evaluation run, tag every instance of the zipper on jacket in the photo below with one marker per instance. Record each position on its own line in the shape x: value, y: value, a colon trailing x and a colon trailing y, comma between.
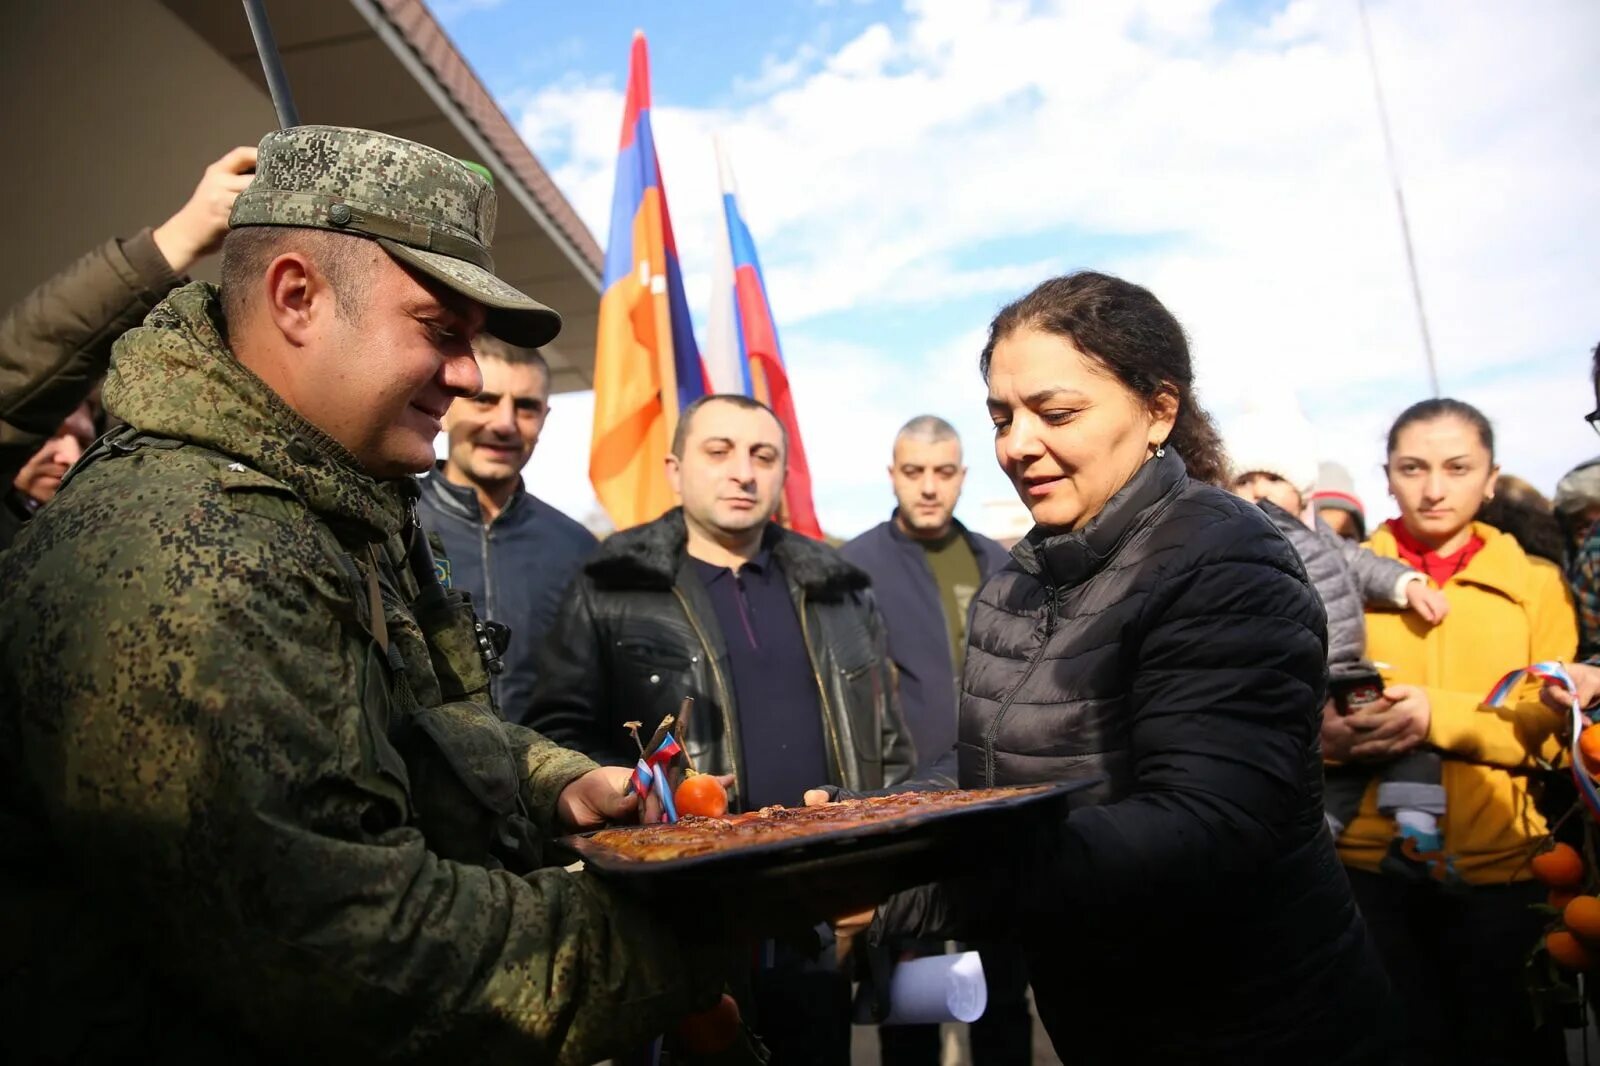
x: 488, y: 578
x: 822, y: 696
x: 724, y: 699
x: 1005, y: 704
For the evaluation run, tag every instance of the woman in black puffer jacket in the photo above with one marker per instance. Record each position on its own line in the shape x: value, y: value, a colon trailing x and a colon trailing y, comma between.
x: 1156, y: 632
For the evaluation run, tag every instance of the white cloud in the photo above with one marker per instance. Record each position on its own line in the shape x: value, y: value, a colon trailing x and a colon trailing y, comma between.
x: 1252, y: 154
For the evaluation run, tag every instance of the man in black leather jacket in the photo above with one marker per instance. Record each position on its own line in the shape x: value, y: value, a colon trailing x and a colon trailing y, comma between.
x: 779, y: 642
x: 809, y: 695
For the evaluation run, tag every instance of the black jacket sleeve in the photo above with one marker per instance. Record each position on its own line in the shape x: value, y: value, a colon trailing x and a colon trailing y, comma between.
x: 899, y: 749
x: 55, y: 343
x: 570, y: 701
x: 1225, y: 692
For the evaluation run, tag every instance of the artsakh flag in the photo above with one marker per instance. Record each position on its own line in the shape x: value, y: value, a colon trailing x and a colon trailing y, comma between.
x: 742, y: 353
x: 646, y: 365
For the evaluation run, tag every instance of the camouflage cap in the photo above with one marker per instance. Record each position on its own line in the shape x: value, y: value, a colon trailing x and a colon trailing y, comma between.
x: 427, y: 209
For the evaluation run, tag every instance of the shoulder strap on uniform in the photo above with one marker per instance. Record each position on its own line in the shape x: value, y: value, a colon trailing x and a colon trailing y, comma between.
x: 380, y: 626
x: 119, y: 441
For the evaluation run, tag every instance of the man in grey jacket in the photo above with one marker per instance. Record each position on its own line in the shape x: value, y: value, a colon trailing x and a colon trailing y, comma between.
x: 510, y: 551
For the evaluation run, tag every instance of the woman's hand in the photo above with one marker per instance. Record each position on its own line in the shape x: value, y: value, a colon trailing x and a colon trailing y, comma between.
x: 1585, y: 678
x: 1394, y: 727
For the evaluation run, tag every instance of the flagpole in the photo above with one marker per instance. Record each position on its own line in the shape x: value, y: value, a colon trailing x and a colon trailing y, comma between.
x: 1399, y: 197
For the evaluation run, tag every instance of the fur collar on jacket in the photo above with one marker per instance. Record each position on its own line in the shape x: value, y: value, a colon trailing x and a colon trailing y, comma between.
x: 648, y: 557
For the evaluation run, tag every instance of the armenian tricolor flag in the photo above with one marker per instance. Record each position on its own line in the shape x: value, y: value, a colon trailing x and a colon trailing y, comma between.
x: 646, y: 366
x: 743, y: 354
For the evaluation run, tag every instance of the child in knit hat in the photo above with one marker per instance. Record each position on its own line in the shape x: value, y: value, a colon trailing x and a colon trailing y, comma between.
x: 1274, y: 459
x: 1336, y: 503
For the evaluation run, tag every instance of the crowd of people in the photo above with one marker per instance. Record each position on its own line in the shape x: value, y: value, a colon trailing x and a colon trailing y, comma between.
x: 289, y: 726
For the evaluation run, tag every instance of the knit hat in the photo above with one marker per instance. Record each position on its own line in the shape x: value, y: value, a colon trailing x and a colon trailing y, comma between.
x: 1276, y: 440
x: 1336, y: 491
x: 1579, y: 489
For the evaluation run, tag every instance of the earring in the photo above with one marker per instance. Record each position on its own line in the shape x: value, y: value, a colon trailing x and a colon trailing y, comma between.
x: 1161, y: 449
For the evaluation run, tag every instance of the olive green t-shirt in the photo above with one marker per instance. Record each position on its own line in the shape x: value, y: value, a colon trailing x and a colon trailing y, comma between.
x: 955, y: 573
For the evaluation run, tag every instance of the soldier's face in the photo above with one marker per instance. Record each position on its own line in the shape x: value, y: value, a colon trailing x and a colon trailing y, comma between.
x: 395, y: 367
x: 730, y: 476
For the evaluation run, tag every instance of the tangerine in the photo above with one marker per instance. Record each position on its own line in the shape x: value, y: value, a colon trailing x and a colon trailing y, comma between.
x: 701, y: 794
x: 712, y: 1030
x: 1568, y: 951
x: 1560, y: 897
x: 1589, y: 748
x: 1560, y: 867
x: 1582, y: 916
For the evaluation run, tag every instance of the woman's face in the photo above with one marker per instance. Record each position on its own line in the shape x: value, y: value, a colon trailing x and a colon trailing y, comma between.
x: 1440, y: 473
x: 1066, y: 431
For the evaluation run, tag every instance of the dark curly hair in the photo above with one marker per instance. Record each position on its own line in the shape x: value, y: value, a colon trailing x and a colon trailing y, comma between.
x: 1125, y: 328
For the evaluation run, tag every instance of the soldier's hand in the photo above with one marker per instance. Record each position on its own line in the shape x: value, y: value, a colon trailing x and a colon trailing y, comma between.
x: 596, y: 798
x: 199, y: 226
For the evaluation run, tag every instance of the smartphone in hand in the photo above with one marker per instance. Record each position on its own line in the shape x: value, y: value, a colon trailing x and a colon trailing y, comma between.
x: 1351, y: 692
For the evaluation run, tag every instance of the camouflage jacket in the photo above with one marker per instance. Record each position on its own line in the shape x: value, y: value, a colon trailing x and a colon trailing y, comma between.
x: 244, y: 815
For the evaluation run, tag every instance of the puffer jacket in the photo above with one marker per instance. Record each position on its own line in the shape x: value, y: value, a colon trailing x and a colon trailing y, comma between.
x: 637, y: 633
x: 1189, y: 908
x: 1348, y: 578
x: 55, y: 343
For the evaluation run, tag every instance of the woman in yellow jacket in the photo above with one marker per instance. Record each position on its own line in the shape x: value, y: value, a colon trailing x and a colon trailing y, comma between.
x: 1455, y: 947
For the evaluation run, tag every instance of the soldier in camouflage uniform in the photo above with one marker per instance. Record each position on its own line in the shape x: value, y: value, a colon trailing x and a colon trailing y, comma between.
x: 254, y: 800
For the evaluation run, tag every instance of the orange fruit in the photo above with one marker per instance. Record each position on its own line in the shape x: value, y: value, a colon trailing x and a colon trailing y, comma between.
x: 1560, y: 867
x: 701, y: 794
x: 1582, y: 916
x: 1589, y: 747
x: 712, y: 1030
x: 1560, y: 897
x: 1568, y: 951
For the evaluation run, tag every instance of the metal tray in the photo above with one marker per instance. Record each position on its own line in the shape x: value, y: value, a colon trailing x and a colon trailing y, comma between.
x: 817, y: 877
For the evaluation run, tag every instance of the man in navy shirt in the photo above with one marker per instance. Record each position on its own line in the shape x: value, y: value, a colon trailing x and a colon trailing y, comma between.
x: 510, y: 551
x: 775, y: 636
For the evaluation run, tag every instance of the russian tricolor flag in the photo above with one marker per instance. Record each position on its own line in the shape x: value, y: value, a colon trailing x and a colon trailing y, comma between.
x: 646, y: 366
x: 742, y: 353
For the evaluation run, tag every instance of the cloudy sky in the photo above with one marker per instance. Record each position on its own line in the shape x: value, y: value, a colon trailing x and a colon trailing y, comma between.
x: 907, y: 168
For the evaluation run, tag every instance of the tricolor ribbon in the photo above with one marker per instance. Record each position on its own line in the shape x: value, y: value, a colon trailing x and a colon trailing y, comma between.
x: 1554, y: 673
x: 651, y: 773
